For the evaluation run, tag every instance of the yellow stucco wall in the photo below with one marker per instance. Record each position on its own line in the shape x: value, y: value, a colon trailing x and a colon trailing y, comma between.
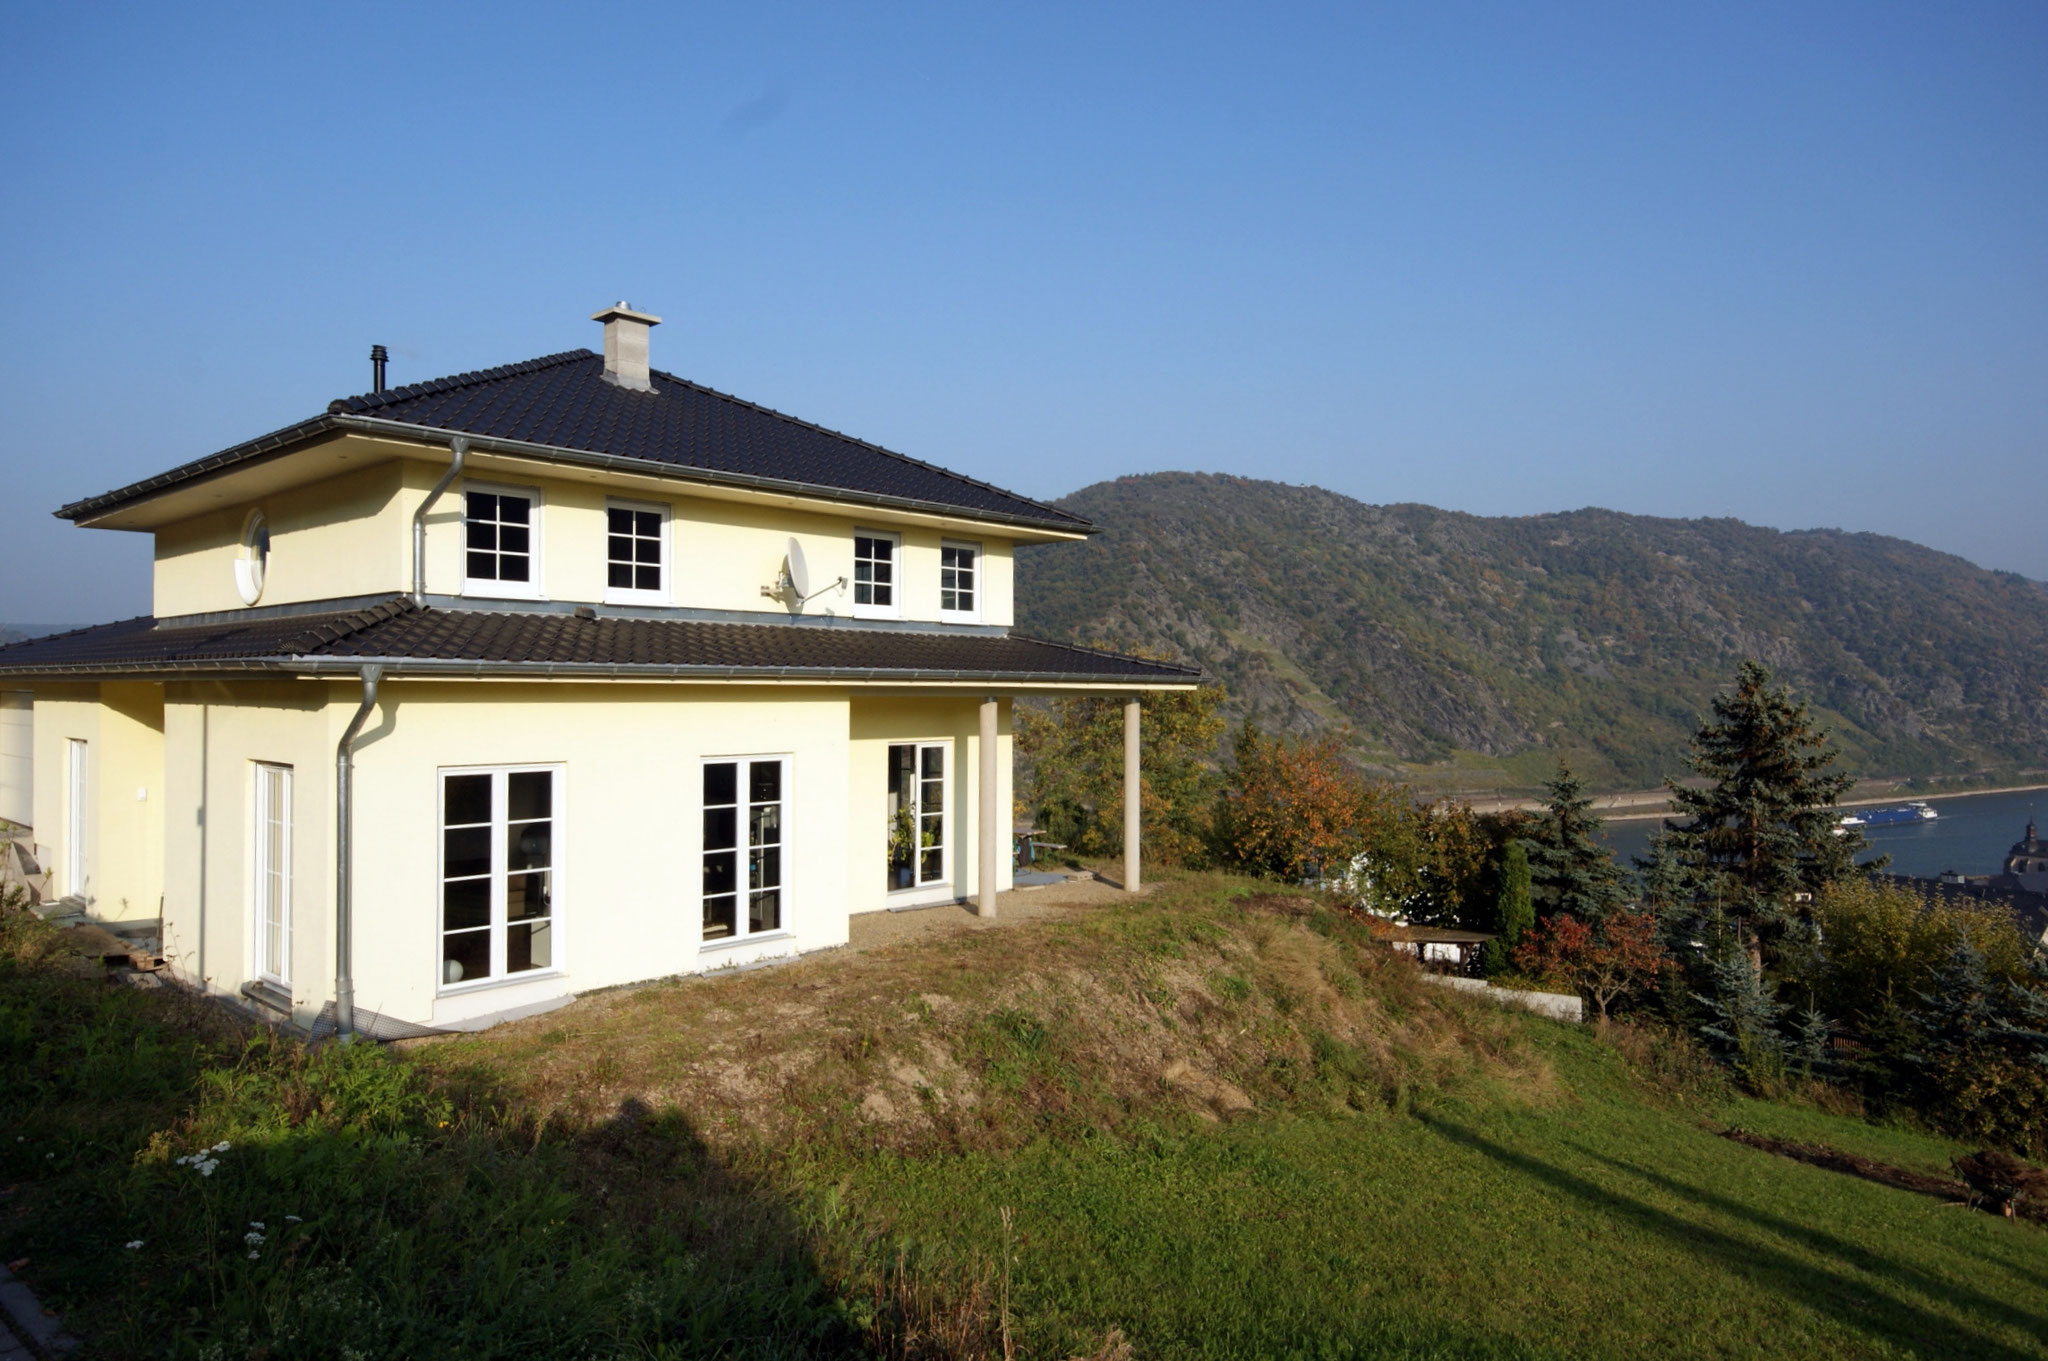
x: 215, y: 732
x: 876, y: 724
x: 345, y: 536
x: 721, y: 553
x: 122, y: 725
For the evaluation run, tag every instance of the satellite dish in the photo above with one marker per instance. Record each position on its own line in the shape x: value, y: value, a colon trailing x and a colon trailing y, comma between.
x: 799, y: 571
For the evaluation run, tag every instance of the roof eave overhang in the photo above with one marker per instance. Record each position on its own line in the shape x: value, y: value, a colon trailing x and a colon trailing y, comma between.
x: 94, y: 511
x: 443, y: 668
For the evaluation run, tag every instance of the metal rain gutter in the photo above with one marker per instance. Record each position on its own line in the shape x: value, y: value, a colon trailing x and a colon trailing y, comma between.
x: 554, y: 453
x: 459, y: 446
x: 344, y: 920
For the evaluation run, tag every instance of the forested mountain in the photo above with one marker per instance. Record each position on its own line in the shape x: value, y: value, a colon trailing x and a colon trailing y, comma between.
x: 1467, y: 652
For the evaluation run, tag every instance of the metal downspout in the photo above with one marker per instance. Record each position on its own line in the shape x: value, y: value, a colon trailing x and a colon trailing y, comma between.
x: 344, y: 924
x: 460, y: 448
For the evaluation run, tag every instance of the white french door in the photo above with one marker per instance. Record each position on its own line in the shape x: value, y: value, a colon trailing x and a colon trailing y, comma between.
x: 917, y: 815
x: 273, y: 872
x: 744, y: 839
x: 74, y: 818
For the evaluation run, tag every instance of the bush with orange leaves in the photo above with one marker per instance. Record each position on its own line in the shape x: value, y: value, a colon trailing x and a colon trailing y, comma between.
x: 1295, y: 808
x: 1603, y: 964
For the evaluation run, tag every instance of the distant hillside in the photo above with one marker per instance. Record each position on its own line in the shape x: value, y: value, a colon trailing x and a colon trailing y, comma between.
x: 1480, y: 648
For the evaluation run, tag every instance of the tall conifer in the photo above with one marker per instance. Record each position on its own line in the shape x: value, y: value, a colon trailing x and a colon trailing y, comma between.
x: 1764, y: 830
x: 1570, y: 869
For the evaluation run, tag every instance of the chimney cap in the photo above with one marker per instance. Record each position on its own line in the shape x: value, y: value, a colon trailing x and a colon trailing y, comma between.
x: 624, y: 310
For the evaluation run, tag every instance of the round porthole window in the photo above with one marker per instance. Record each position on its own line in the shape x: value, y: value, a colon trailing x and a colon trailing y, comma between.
x: 252, y: 562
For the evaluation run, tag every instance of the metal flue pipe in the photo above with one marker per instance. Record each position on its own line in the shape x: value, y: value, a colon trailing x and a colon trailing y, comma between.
x: 344, y: 921
x: 458, y: 446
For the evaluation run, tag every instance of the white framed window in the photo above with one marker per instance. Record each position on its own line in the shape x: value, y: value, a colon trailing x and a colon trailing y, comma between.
x: 501, y: 541
x: 76, y: 807
x: 745, y: 840
x: 960, y: 582
x: 875, y: 587
x: 273, y: 872
x: 500, y: 872
x: 635, y: 553
x: 252, y: 559
x: 918, y: 844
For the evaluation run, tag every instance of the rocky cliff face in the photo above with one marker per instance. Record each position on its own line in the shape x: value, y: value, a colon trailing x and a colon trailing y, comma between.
x: 1483, y: 648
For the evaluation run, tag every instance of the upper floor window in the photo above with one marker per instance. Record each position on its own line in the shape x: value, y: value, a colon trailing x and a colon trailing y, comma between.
x: 636, y: 552
x: 502, y: 552
x: 959, y: 582
x: 874, y: 575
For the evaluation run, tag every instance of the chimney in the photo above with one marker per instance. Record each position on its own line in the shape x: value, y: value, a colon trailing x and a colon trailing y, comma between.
x: 377, y: 359
x: 625, y: 346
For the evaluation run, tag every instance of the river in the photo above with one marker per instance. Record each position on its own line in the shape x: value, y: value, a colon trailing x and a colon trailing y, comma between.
x: 1971, y: 836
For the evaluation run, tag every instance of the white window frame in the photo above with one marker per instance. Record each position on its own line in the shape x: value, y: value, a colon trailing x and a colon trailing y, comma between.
x: 630, y: 595
x: 969, y: 616
x: 488, y: 587
x: 500, y: 875
x: 271, y: 795
x: 77, y: 813
x: 894, y: 609
x: 742, y: 918
x: 918, y: 883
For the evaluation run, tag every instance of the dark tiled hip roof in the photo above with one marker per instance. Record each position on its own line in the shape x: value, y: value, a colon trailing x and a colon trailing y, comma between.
x: 478, y: 642
x: 562, y: 403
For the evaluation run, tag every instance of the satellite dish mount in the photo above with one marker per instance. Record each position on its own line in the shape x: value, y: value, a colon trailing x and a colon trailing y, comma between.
x: 795, y: 578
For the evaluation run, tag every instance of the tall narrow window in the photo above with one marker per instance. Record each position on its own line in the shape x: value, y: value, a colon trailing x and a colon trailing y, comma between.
x: 499, y: 872
x: 743, y: 845
x: 874, y: 575
x: 958, y: 582
x: 273, y: 872
x: 917, y: 814
x: 635, y: 557
x: 502, y: 541
x: 75, y: 819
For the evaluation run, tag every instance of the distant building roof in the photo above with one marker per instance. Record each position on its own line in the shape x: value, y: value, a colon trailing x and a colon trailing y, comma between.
x: 539, y: 644
x: 562, y: 402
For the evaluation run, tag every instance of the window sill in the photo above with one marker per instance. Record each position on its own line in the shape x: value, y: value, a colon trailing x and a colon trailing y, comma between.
x: 612, y: 597
x: 956, y: 617
x: 269, y: 993
x: 508, y: 981
x: 732, y: 942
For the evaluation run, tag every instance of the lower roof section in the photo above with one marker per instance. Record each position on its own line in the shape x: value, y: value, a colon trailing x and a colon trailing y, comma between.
x: 410, y: 641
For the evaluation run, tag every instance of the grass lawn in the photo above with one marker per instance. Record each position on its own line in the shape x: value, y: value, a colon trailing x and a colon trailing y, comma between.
x: 1597, y: 1227
x: 1219, y: 1127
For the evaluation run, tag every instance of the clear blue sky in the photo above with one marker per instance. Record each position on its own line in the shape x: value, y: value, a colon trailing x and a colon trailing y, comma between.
x: 1785, y: 262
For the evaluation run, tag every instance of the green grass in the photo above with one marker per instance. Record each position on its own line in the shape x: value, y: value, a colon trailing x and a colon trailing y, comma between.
x: 1603, y: 1227
x: 1385, y: 1196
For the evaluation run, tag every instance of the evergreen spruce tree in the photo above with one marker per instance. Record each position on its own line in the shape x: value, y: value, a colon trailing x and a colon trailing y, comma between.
x: 1743, y: 1015
x: 1765, y: 829
x: 1514, y: 911
x: 1570, y: 870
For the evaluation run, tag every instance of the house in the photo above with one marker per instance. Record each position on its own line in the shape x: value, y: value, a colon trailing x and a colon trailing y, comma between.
x: 462, y: 697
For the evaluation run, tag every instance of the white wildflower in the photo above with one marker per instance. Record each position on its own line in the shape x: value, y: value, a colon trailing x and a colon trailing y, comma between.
x: 255, y: 1223
x: 294, y: 1219
x: 134, y: 1243
x: 253, y: 1254
x: 221, y: 1147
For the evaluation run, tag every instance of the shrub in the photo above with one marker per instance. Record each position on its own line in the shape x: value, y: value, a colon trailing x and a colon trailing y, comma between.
x: 1603, y: 963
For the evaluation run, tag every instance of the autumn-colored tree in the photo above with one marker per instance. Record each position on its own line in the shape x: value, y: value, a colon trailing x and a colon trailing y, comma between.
x: 1603, y: 963
x: 1294, y: 807
x: 1072, y: 754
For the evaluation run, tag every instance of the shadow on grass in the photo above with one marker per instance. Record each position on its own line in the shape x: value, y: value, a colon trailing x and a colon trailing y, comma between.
x: 1863, y: 1307
x: 1837, y: 1248
x: 347, y: 1205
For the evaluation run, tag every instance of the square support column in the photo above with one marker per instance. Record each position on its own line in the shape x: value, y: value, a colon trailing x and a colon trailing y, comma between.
x: 1134, y: 796
x: 991, y: 829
